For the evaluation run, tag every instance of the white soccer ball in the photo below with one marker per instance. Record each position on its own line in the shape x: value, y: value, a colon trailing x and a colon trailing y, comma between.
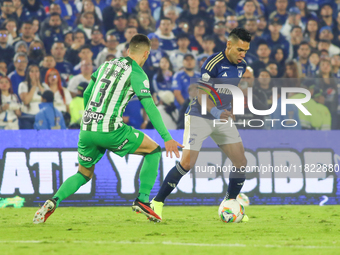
x: 231, y: 211
x: 243, y: 199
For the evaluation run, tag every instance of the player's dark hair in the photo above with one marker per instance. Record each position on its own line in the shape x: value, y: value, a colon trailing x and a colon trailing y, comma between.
x: 240, y: 33
x: 139, y: 41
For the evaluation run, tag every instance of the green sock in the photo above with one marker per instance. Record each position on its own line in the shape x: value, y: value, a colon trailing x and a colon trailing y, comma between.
x: 148, y: 174
x: 70, y: 186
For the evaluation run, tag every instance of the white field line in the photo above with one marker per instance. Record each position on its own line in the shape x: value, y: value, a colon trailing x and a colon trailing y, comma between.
x: 171, y: 243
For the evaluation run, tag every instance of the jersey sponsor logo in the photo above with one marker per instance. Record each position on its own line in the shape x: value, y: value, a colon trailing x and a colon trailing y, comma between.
x: 205, y: 77
x: 89, y: 116
x: 123, y: 143
x: 144, y: 91
x: 225, y: 74
x: 146, y: 84
x: 84, y: 158
x: 225, y: 67
x: 121, y: 64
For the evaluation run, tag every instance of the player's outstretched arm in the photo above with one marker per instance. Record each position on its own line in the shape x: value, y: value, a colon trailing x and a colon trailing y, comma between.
x: 157, y: 121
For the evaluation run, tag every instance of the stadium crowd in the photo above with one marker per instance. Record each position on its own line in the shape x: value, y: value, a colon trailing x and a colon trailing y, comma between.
x: 48, y: 45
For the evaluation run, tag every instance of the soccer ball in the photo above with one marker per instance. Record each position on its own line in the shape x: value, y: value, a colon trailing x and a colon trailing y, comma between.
x: 231, y: 211
x: 243, y: 199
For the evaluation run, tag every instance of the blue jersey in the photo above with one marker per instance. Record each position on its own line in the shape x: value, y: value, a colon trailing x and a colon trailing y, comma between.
x: 217, y: 66
x: 181, y: 81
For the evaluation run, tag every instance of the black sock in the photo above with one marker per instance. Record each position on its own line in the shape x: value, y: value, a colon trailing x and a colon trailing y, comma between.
x: 236, y: 181
x: 170, y: 182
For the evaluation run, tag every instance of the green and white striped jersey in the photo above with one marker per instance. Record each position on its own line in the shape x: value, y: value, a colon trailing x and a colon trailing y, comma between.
x: 113, y: 85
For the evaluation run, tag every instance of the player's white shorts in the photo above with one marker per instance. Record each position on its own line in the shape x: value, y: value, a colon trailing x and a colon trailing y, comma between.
x: 197, y: 129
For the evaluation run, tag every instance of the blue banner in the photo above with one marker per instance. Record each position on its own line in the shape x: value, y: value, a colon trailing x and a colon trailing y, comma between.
x: 285, y: 167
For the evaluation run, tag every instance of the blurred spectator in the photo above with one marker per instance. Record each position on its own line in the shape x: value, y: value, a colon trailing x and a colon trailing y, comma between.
x: 264, y: 85
x: 248, y: 12
x: 48, y: 117
x: 68, y: 39
x: 101, y: 4
x: 162, y: 80
x: 47, y: 63
x: 110, y: 13
x: 146, y: 22
x: 194, y: 13
x: 26, y: 34
x: 143, y: 6
x: 311, y: 33
x: 251, y: 27
x: 18, y: 75
x: 87, y: 22
x: 62, y: 96
x: 326, y: 15
x: 54, y: 8
x: 181, y: 79
x: 293, y: 74
x: 52, y: 31
x: 9, y: 105
x: 36, y: 52
x: 192, y: 91
x: 258, y: 5
x: 295, y: 41
x: 18, y: 9
x: 111, y: 45
x: 163, y: 11
x: 327, y: 46
x: 272, y: 68
x: 324, y: 120
x: 306, y: 15
x: 33, y: 9
x: 177, y: 56
x: 292, y: 119
x: 35, y: 28
x: 6, y: 51
x: 72, y: 52
x: 85, y: 76
x: 314, y: 59
x: 21, y: 46
x: 261, y: 26
x: 97, y: 41
x: 30, y: 92
x: 303, y: 53
x: 275, y: 38
x: 183, y: 26
x: 231, y: 23
x: 64, y: 67
x: 259, y: 101
x: 12, y: 27
x: 77, y: 105
x: 278, y: 56
x: 88, y: 6
x: 120, y: 23
x: 196, y: 39
x: 327, y: 35
x: 7, y: 11
x: 167, y: 39
x: 152, y: 63
x: 3, y: 68
x: 294, y: 20
x: 335, y: 62
x: 219, y: 11
x: 263, y: 52
x: 208, y: 49
x: 281, y: 11
x: 167, y: 109
x: 128, y: 34
x: 68, y: 11
x: 220, y: 37
x: 133, y: 21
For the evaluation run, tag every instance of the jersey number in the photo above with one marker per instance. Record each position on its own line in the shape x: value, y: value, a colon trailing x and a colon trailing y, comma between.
x: 103, y: 92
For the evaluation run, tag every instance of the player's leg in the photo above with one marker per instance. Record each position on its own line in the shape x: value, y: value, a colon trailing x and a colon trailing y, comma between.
x: 88, y: 155
x: 235, y: 152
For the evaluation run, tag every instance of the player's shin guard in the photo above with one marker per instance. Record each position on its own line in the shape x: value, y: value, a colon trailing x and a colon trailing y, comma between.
x: 70, y: 186
x: 170, y: 182
x: 236, y: 181
x: 148, y: 174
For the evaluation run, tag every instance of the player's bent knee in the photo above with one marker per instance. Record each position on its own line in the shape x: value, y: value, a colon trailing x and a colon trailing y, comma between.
x: 88, y: 172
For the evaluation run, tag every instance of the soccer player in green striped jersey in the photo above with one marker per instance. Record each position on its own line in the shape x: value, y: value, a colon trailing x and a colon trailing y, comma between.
x: 102, y: 128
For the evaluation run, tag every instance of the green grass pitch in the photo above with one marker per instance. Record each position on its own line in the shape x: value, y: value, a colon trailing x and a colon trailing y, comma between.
x: 190, y: 230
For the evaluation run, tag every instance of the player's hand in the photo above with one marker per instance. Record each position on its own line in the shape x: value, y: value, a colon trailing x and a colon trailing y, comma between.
x: 171, y: 146
x: 226, y: 114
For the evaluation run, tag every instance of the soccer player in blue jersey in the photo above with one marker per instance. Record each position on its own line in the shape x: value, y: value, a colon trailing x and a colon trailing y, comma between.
x: 229, y: 63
